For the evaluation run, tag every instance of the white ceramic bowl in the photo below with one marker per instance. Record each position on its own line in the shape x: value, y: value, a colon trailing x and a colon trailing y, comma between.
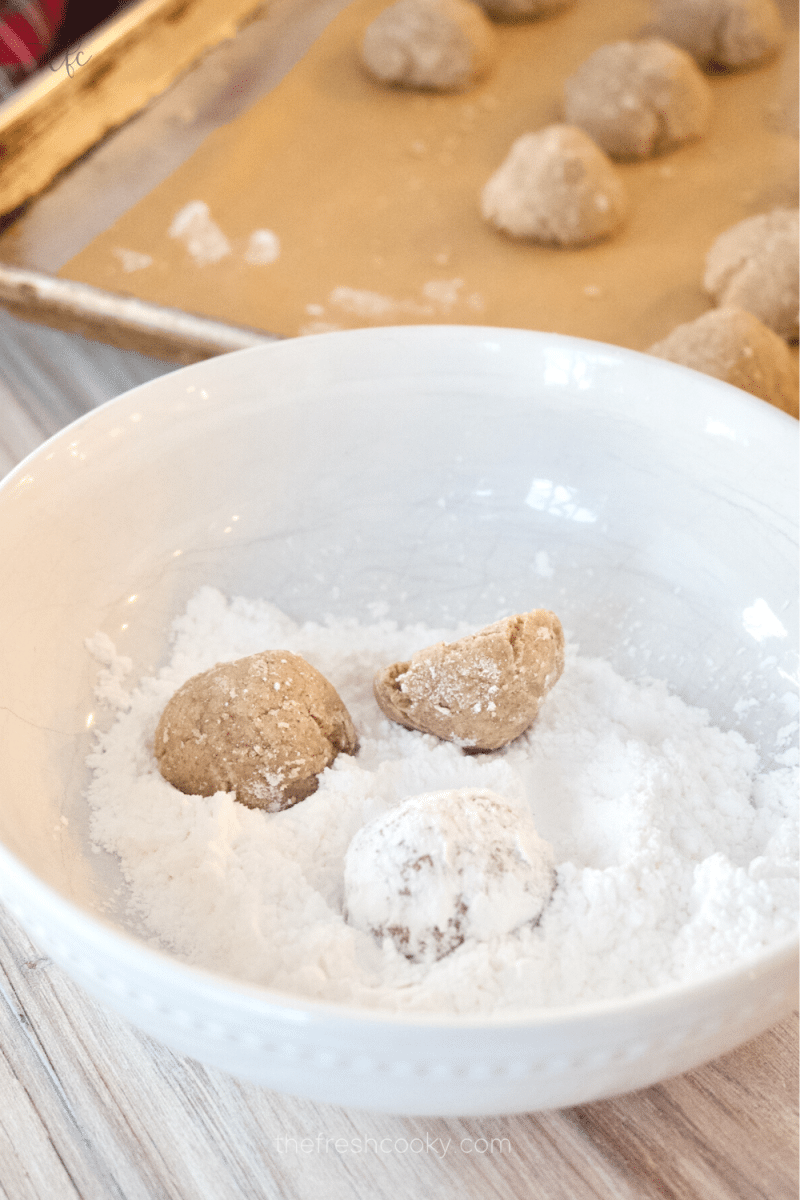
x: 660, y: 496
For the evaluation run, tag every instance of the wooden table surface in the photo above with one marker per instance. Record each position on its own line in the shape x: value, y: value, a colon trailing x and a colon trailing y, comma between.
x: 91, y: 1108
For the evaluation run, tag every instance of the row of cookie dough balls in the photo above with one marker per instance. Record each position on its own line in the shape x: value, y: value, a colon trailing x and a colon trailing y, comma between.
x: 628, y: 101
x: 448, y: 45
x: 751, y: 273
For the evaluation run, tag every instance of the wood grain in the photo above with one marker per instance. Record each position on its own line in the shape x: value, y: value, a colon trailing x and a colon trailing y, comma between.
x: 91, y: 1109
x: 94, y: 1109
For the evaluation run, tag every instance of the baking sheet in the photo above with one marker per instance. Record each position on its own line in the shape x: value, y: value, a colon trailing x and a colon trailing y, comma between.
x: 372, y: 195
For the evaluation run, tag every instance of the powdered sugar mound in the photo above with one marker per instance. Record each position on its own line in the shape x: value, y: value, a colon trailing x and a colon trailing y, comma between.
x: 674, y: 855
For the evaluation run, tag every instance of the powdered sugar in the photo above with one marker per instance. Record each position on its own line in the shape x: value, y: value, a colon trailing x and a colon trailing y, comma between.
x: 675, y: 855
x: 200, y: 234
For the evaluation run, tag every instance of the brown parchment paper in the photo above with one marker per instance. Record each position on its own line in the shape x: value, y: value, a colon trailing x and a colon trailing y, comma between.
x: 373, y: 195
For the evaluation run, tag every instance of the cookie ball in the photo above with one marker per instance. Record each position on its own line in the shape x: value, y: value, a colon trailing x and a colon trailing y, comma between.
x: 733, y: 345
x: 263, y: 726
x: 523, y: 10
x: 481, y: 691
x: 637, y: 99
x: 446, y: 866
x: 721, y: 33
x: 753, y: 265
x: 556, y: 187
x: 445, y: 45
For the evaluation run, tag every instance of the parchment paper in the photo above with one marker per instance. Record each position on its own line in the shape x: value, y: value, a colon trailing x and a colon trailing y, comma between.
x: 373, y: 196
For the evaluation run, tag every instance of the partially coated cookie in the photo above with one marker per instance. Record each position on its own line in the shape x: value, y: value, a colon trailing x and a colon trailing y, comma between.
x: 263, y: 726
x: 444, y: 867
x: 481, y: 691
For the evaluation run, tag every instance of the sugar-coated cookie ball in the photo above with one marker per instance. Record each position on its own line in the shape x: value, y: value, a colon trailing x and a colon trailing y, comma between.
x: 523, y: 10
x: 482, y: 690
x: 446, y: 866
x: 263, y: 726
x: 636, y: 99
x: 754, y: 265
x: 733, y: 345
x: 556, y: 187
x: 721, y: 33
x: 445, y: 45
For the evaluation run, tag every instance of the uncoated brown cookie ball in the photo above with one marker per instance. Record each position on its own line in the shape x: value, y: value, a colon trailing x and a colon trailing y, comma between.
x: 481, y: 691
x: 754, y: 265
x: 556, y: 187
x: 263, y: 726
x: 733, y: 345
x: 444, y: 45
x: 722, y: 33
x: 637, y: 99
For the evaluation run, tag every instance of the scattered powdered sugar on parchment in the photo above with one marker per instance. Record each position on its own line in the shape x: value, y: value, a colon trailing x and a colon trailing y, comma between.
x: 438, y: 297
x: 444, y: 292
x: 263, y: 247
x: 132, y: 260
x: 202, y: 237
x: 675, y: 854
x: 364, y: 303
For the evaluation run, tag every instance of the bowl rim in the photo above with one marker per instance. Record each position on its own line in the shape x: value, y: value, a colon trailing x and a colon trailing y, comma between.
x: 158, y: 964
x: 591, y: 348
